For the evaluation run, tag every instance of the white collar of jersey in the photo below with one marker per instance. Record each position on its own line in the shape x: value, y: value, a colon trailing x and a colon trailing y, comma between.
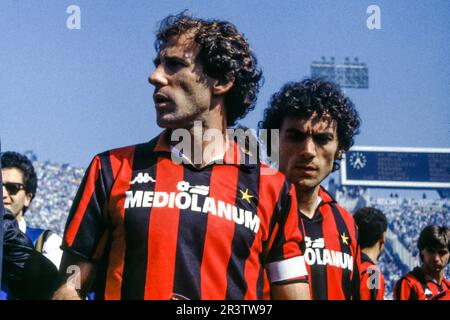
x: 180, y: 154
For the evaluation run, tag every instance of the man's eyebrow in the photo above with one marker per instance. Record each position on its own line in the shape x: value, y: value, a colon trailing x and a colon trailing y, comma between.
x: 298, y: 131
x: 177, y: 58
x: 158, y: 59
x: 294, y: 130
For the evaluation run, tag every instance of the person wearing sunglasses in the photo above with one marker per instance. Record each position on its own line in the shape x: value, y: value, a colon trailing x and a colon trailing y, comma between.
x: 25, y: 273
x: 19, y: 188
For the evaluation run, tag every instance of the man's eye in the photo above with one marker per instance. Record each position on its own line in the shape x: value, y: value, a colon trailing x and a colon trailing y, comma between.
x: 322, y: 139
x: 174, y: 63
x: 294, y: 137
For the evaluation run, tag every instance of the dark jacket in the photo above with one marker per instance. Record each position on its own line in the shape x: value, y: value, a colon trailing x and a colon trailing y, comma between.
x: 27, y: 274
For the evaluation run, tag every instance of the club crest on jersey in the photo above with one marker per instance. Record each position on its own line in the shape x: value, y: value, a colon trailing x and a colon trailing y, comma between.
x: 142, y: 178
x: 187, y: 198
x: 315, y: 253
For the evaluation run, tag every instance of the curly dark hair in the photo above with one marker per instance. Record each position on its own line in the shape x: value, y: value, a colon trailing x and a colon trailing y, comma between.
x: 224, y: 54
x: 16, y: 160
x: 302, y: 99
x: 372, y: 223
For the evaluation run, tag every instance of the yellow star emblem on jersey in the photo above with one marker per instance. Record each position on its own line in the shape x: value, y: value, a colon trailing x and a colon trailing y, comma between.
x: 246, y: 195
x: 344, y: 238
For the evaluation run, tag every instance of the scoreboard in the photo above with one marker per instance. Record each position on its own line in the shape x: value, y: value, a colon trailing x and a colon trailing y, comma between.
x: 396, y: 167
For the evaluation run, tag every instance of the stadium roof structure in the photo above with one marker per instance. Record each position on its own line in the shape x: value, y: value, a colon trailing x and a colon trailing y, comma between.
x: 396, y: 167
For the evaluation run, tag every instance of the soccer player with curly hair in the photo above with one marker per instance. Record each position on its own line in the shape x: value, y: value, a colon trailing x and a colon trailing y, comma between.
x: 207, y: 227
x: 316, y: 124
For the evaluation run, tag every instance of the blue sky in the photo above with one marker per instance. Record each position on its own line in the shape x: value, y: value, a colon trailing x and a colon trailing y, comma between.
x: 69, y: 94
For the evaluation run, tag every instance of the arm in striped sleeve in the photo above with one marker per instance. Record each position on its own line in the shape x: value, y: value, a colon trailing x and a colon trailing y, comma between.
x: 356, y: 276
x: 87, y: 223
x: 85, y: 226
x: 286, y: 266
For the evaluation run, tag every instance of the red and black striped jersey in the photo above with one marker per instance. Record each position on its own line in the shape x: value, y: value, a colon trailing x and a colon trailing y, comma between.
x: 415, y: 285
x: 331, y: 251
x: 158, y: 228
x: 444, y: 295
x: 372, y: 280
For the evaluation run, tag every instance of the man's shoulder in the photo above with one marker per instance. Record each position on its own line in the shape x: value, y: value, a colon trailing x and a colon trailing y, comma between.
x: 326, y: 197
x: 274, y: 177
x: 412, y: 278
x: 344, y: 212
x: 126, y: 152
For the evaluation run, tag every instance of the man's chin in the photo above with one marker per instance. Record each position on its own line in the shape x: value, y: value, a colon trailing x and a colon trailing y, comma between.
x: 307, y: 184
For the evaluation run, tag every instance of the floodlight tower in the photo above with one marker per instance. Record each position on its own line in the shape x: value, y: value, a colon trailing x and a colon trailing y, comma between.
x: 347, y: 75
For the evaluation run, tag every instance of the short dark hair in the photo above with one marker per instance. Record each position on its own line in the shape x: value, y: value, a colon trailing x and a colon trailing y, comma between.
x: 302, y: 99
x: 434, y: 237
x: 372, y: 223
x: 224, y: 54
x: 16, y: 160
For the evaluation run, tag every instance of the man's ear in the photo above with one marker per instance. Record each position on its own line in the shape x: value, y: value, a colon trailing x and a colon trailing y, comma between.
x: 28, y: 198
x: 222, y: 87
x: 338, y: 154
x: 383, y: 237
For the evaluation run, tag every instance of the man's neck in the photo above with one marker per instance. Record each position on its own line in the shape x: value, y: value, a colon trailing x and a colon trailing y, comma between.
x: 308, y: 200
x: 209, y: 139
x: 372, y: 253
x: 438, y: 276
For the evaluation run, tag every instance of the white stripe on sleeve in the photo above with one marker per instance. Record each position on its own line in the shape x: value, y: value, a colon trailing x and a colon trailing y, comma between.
x: 287, y: 269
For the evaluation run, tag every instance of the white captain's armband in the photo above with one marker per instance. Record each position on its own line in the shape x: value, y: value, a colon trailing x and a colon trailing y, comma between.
x: 287, y: 269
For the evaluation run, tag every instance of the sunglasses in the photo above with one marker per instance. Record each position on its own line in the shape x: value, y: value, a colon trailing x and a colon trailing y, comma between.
x: 13, y: 187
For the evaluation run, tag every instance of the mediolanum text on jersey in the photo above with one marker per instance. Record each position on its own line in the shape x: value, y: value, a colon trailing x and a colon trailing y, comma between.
x: 185, y: 200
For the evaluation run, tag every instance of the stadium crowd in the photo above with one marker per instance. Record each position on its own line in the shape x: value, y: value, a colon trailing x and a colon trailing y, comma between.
x: 57, y: 187
x: 408, y: 216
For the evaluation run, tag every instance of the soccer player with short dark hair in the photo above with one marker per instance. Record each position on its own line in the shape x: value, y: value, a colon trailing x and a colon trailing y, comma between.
x: 372, y: 225
x: 316, y: 125
x: 427, y: 281
x: 148, y: 227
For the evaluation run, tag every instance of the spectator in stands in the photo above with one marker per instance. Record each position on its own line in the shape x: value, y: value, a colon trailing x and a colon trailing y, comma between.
x: 26, y: 274
x: 427, y: 281
x: 372, y: 225
x: 317, y: 124
x: 19, y: 189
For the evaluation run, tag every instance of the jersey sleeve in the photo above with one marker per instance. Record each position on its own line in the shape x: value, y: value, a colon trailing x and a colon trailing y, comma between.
x: 285, y: 259
x: 86, y: 223
x: 356, y: 280
x: 404, y: 290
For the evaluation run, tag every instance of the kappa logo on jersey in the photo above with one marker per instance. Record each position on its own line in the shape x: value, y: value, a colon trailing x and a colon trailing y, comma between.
x: 185, y: 186
x: 316, y: 253
x: 142, y: 178
x: 318, y: 243
x: 187, y: 197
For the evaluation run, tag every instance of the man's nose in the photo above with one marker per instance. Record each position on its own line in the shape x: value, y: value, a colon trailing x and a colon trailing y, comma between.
x: 4, y: 192
x: 309, y: 147
x: 437, y: 257
x: 158, y: 77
